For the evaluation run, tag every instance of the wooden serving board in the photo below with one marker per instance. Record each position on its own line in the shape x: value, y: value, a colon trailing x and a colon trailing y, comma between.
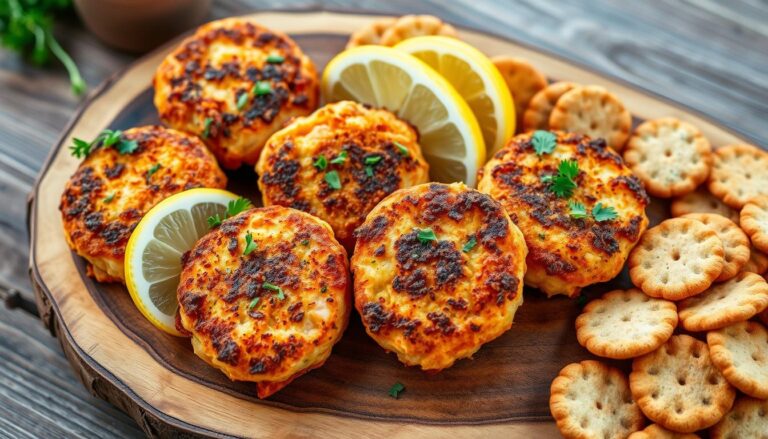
x: 158, y: 380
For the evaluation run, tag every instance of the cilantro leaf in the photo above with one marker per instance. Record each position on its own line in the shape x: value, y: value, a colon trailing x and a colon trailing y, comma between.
x: 109, y: 137
x: 603, y: 213
x: 275, y: 288
x: 340, y: 159
x: 151, y: 171
x: 333, y: 180
x: 471, y: 243
x: 402, y: 149
x: 563, y: 183
x: 369, y: 171
x: 372, y: 160
x: 236, y: 206
x: 426, y: 235
x: 81, y: 148
x: 127, y: 146
x: 250, y: 246
x: 578, y: 211
x: 262, y: 88
x: 544, y: 142
x: 253, y: 303
x: 320, y: 163
x: 395, y: 390
x: 568, y: 168
x: 214, y: 220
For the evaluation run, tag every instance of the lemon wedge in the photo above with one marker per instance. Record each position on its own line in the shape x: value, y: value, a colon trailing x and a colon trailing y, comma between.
x: 449, y: 134
x: 153, y: 253
x: 476, y: 79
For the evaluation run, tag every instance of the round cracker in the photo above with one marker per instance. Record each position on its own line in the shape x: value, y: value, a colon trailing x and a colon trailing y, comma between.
x: 409, y: 26
x: 739, y: 173
x: 757, y: 263
x: 740, y: 351
x: 735, y: 242
x: 763, y: 316
x: 536, y: 116
x: 678, y: 258
x: 594, y: 111
x: 624, y: 324
x: 754, y: 221
x: 747, y: 419
x: 370, y: 34
x: 671, y: 157
x: 523, y: 81
x: 724, y: 304
x: 678, y: 387
x: 591, y: 399
x: 701, y: 201
x: 655, y: 431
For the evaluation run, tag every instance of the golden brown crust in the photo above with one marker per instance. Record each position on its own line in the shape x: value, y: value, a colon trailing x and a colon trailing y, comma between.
x: 757, y: 263
x: 624, y: 324
x: 678, y: 387
x: 594, y: 111
x: 725, y: 303
x: 678, y: 258
x: 371, y: 33
x: 523, y: 81
x: 740, y: 351
x: 670, y: 156
x: 198, y: 87
x: 290, y: 177
x: 540, y: 106
x: 592, y: 400
x: 595, y: 251
x: 738, y: 174
x: 110, y: 192
x: 433, y: 302
x: 655, y: 431
x: 272, y: 314
x: 735, y: 242
x: 409, y: 26
x: 701, y: 201
x: 754, y: 221
x: 747, y: 419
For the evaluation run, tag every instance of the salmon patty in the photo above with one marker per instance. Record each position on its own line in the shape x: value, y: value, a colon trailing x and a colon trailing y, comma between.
x: 265, y: 296
x: 438, y: 271
x: 580, y: 208
x: 111, y: 191
x: 338, y: 163
x: 234, y: 83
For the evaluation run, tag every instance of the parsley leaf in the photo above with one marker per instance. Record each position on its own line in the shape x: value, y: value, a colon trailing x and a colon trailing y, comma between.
x: 214, y: 220
x: 369, y: 171
x: 127, y: 146
x: 320, y: 163
x: 275, y: 288
x: 207, y: 127
x: 563, y: 183
x: 107, y: 138
x: 242, y: 100
x: 426, y: 235
x: 395, y: 390
x: 151, y: 171
x: 110, y: 137
x: 372, y: 160
x: 403, y: 150
x: 236, y: 206
x: 603, y: 213
x: 544, y: 142
x: 578, y: 211
x: 333, y: 180
x: 81, y: 148
x: 275, y: 59
x: 469, y: 245
x: 253, y: 303
x: 340, y: 159
x: 262, y: 88
x: 250, y: 246
x: 109, y: 198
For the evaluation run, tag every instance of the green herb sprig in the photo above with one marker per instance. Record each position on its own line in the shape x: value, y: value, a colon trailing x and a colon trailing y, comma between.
x: 274, y: 288
x: 395, y: 390
x: 543, y: 142
x: 107, y: 139
x: 563, y: 183
x: 234, y: 207
x: 426, y: 235
x: 250, y: 246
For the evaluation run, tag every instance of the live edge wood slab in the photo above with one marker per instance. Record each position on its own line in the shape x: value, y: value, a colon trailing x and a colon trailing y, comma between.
x: 159, y: 382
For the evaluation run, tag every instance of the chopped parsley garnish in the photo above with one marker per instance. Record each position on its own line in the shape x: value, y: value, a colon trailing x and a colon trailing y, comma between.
x: 151, y: 171
x: 250, y: 246
x: 563, y: 183
x: 214, y: 220
x: 395, y: 390
x: 369, y: 171
x: 544, y: 142
x: 333, y: 180
x: 320, y: 163
x: 578, y: 211
x: 426, y: 235
x: 603, y: 213
x: 275, y: 59
x: 471, y: 243
x: 542, y: 236
x: 242, y: 100
x: 305, y: 242
x: 253, y: 303
x: 233, y: 208
x: 340, y: 159
x: 275, y: 288
x: 109, y: 198
x: 207, y: 127
x: 403, y: 150
x: 262, y: 88
x: 107, y: 138
x: 372, y: 160
x: 324, y: 288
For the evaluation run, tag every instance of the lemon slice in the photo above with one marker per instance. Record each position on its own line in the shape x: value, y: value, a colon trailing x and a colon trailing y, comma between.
x: 449, y: 134
x: 476, y: 79
x: 153, y: 253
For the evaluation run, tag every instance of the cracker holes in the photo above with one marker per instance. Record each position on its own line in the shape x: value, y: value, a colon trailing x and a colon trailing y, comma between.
x: 598, y: 405
x: 713, y: 380
x: 681, y: 381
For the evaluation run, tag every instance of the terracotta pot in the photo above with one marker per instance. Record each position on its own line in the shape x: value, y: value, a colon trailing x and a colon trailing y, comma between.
x: 140, y: 25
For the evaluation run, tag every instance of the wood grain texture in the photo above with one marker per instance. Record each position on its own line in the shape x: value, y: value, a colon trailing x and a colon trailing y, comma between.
x: 703, y: 53
x: 108, y: 341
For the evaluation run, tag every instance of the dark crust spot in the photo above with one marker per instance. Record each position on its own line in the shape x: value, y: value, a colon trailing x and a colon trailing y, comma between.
x: 634, y: 184
x: 504, y: 285
x: 632, y: 230
x: 283, y: 175
x: 552, y: 263
x: 375, y: 317
x: 416, y: 259
x: 441, y: 323
x: 372, y: 230
x: 605, y: 238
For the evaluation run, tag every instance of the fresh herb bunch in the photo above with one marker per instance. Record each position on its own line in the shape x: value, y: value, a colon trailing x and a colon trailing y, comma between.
x: 26, y: 26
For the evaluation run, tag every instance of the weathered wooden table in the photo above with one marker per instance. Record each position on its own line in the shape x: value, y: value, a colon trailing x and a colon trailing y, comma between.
x: 705, y: 54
